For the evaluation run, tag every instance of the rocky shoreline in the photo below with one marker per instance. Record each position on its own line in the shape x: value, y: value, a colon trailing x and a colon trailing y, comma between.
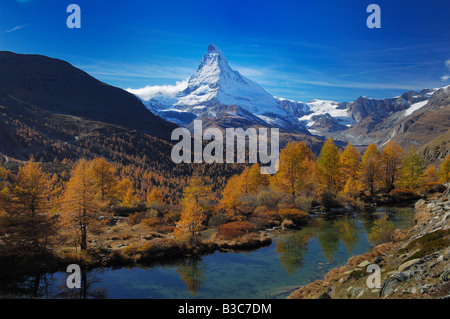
x: 414, y: 265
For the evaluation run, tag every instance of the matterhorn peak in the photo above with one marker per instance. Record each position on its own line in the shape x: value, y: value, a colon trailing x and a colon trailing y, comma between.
x: 212, y: 48
x: 214, y: 56
x: 216, y: 82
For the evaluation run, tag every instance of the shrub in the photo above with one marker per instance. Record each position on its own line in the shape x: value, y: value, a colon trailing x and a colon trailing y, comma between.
x: 264, y: 217
x: 235, y: 229
x: 164, y: 228
x: 329, y: 200
x: 249, y: 200
x: 431, y: 188
x: 402, y: 192
x: 287, y: 223
x: 383, y: 231
x: 260, y: 210
x: 218, y: 219
x: 267, y: 198
x: 296, y: 216
x: 137, y: 218
x: 303, y: 203
x: 172, y: 217
x: 359, y: 204
x: 153, y: 222
x: 158, y: 225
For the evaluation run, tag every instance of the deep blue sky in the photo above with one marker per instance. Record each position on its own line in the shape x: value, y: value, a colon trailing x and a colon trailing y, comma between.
x: 295, y: 49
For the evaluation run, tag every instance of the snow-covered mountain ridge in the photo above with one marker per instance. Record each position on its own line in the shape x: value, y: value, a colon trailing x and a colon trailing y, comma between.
x: 215, y: 86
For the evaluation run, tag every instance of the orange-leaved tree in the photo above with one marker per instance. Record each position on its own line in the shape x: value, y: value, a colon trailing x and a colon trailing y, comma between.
x: 349, y: 161
x: 296, y: 172
x: 329, y: 165
x: 194, y: 205
x: 232, y: 197
x: 80, y: 205
x: 105, y: 179
x: 155, y: 196
x: 431, y: 174
x: 391, y: 161
x: 412, y: 170
x: 444, y: 175
x: 26, y: 204
x: 369, y: 169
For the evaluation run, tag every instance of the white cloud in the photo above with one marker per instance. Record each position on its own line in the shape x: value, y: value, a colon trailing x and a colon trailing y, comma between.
x: 17, y: 28
x: 149, y: 92
x: 445, y: 77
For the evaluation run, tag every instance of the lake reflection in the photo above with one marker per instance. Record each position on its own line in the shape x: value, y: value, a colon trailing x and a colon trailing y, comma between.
x: 294, y: 258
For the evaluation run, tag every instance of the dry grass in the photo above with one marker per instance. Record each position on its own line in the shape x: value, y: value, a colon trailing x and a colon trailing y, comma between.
x: 377, y: 251
x: 336, y: 273
x: 311, y: 291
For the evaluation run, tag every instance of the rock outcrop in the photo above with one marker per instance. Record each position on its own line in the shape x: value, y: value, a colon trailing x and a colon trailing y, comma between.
x: 415, y: 265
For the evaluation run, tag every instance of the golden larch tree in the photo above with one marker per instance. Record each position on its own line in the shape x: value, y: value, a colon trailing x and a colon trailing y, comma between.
x: 329, y: 165
x: 194, y: 205
x: 155, y: 196
x: 105, y: 179
x: 369, y: 169
x: 391, y: 161
x: 296, y: 169
x: 444, y: 175
x: 81, y: 205
x: 349, y: 161
x: 431, y: 174
x: 26, y: 219
x: 412, y: 170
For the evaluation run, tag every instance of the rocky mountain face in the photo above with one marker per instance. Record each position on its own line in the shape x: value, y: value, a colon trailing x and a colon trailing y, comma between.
x: 435, y: 151
x: 415, y: 125
x: 363, y: 106
x: 58, y: 87
x: 415, y: 265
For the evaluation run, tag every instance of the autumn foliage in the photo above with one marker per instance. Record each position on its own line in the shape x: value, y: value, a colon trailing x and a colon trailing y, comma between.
x: 296, y: 216
x: 235, y: 229
x: 79, y: 199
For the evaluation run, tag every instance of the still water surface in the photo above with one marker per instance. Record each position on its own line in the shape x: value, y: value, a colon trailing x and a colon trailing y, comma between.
x: 294, y: 258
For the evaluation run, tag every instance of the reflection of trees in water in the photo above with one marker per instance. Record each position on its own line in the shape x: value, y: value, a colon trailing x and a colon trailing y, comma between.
x: 36, y: 286
x: 192, y: 273
x: 367, y: 220
x: 87, y: 290
x: 50, y: 286
x: 292, y: 246
x: 402, y: 217
x: 332, y: 232
x: 328, y: 238
x: 349, y: 232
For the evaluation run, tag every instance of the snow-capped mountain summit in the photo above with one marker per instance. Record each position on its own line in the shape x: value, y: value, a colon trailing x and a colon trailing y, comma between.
x: 216, y: 82
x: 214, y: 90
